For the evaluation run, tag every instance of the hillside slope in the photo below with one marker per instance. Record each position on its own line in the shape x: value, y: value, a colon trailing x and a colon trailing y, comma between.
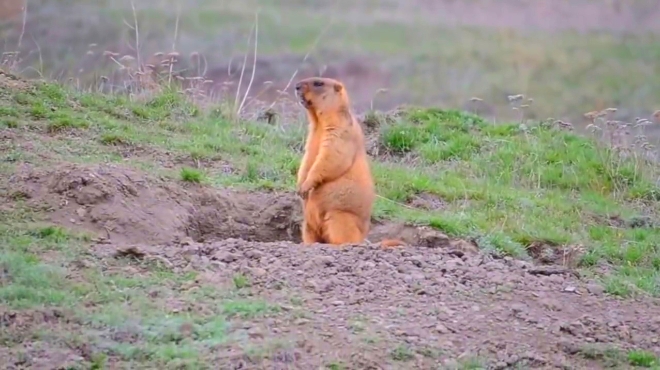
x: 155, y: 234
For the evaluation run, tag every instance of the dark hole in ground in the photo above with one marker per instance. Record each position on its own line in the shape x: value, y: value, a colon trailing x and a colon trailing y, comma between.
x: 259, y: 217
x: 547, y: 253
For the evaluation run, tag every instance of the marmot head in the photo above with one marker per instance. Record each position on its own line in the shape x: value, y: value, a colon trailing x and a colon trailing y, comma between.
x: 319, y: 94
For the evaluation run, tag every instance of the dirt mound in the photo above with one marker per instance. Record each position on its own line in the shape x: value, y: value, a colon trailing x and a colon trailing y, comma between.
x: 418, y: 307
x: 122, y: 205
x: 10, y: 81
x: 116, y: 203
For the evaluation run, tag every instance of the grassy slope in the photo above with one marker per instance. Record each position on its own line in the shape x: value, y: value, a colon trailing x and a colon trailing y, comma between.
x: 502, y: 185
x: 505, y: 185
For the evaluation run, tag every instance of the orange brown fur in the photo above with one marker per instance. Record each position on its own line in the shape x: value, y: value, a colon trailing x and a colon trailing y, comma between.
x: 388, y: 243
x: 334, y: 178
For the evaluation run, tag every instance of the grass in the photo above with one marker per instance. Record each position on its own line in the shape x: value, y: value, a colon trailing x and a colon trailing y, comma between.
x: 191, y: 175
x: 402, y: 353
x: 612, y: 357
x: 510, y: 187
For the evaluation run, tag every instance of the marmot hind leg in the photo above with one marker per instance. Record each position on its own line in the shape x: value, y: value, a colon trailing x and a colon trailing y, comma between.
x: 309, y: 235
x: 341, y: 227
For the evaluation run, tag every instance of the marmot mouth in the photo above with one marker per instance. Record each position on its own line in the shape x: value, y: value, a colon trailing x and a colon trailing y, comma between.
x: 301, y: 99
x: 304, y: 102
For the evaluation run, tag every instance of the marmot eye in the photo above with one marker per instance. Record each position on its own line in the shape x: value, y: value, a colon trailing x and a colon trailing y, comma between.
x: 318, y: 83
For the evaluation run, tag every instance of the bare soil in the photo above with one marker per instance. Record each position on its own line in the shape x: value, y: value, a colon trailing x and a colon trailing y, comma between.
x: 436, y: 302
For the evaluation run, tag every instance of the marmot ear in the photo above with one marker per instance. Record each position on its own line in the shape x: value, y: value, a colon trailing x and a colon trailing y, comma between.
x: 338, y: 87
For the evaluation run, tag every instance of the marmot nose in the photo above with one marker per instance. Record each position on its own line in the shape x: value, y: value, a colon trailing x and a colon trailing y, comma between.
x: 298, y: 86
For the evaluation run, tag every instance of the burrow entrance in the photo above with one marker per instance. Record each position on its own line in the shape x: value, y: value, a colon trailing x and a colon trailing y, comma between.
x: 123, y: 206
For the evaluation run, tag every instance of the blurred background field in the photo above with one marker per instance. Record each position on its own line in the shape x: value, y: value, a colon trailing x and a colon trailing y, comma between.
x: 571, y: 57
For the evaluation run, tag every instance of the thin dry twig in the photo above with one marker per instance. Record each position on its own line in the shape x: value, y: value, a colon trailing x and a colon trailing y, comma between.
x: 137, y: 34
x: 12, y: 59
x: 20, y: 38
x: 176, y: 35
x: 240, y: 78
x: 254, y: 62
x: 395, y: 202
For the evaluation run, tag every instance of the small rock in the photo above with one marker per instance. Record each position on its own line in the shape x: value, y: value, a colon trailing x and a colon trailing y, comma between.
x: 254, y: 333
x: 368, y: 265
x: 551, y: 305
x: 408, y: 279
x: 325, y: 260
x: 453, y: 264
x: 338, y: 303
x: 225, y: 257
x: 217, y: 265
x: 418, y: 276
x: 254, y: 254
x: 595, y: 289
x: 442, y: 329
x: 518, y: 307
x: 417, y: 260
x: 402, y: 269
x: 311, y: 284
x: 522, y: 264
x: 434, y: 239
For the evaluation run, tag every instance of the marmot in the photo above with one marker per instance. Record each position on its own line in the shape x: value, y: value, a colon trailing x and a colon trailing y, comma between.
x: 334, y: 178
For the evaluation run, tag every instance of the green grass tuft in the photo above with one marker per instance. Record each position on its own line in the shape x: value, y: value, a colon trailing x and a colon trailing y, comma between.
x: 191, y: 175
x: 402, y: 353
x: 643, y: 359
x: 241, y: 281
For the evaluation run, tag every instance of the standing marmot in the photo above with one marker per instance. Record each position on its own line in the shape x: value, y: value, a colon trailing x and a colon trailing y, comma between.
x: 334, y: 178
